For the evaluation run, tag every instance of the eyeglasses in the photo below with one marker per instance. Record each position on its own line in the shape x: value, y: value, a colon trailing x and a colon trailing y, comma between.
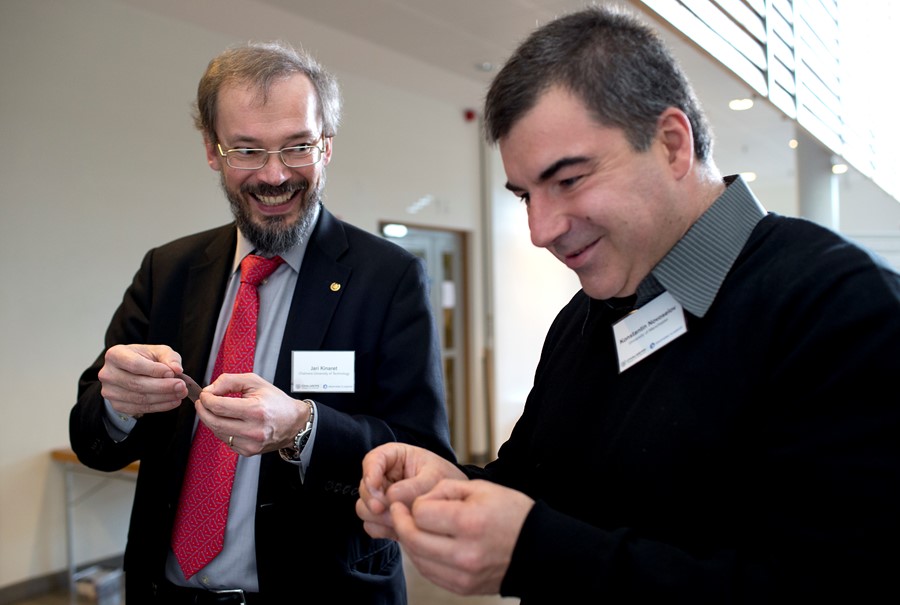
x: 298, y: 156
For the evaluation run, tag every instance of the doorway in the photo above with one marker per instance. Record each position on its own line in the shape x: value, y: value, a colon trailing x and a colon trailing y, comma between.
x: 443, y: 252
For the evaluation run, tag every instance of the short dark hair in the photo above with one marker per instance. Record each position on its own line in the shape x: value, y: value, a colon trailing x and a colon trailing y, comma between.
x: 617, y: 65
x: 261, y: 64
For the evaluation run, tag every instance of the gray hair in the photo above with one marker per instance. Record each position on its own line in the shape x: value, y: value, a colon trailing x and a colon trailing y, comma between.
x: 261, y: 64
x: 619, y: 67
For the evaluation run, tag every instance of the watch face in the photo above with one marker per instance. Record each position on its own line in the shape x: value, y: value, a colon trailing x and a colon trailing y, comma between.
x: 301, y: 439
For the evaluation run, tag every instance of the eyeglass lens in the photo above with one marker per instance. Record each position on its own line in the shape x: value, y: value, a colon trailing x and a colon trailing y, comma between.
x: 293, y: 157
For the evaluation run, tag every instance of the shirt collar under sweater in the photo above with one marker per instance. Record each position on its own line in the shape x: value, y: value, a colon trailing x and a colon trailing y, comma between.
x: 694, y: 269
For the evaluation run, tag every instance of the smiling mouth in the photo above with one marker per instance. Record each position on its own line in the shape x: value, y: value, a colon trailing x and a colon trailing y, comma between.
x: 271, y: 197
x: 274, y: 200
x: 577, y: 253
x: 573, y: 258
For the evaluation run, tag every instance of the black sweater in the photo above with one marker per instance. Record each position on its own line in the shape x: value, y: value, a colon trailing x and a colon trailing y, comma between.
x: 756, y: 458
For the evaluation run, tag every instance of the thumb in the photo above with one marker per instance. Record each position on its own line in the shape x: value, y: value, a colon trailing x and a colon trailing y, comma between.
x: 165, y: 355
x: 449, y: 489
x: 227, y: 384
x: 402, y: 519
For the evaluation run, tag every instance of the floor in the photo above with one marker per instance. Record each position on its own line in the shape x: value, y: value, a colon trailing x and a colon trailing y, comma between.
x: 421, y: 592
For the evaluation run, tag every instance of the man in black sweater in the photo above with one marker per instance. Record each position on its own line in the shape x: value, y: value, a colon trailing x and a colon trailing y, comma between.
x: 711, y: 419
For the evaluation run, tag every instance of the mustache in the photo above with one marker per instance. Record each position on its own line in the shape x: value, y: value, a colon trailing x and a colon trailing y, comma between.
x: 266, y: 189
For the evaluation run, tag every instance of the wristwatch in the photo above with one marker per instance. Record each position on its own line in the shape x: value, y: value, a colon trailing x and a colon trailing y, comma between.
x: 292, y: 454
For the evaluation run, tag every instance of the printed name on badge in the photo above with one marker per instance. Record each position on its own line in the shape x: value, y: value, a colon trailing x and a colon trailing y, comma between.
x: 323, y: 371
x: 648, y: 329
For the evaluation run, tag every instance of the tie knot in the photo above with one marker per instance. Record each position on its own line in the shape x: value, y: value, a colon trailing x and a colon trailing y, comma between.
x: 254, y: 268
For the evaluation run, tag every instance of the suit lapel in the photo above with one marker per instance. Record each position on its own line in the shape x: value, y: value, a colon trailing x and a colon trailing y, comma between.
x: 320, y: 286
x: 203, y: 295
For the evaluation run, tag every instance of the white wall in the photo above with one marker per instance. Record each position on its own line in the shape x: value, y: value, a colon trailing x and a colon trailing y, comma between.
x: 105, y: 164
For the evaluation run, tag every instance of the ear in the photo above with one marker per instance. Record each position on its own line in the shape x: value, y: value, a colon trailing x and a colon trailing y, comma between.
x: 677, y: 137
x: 212, y: 154
x: 326, y: 158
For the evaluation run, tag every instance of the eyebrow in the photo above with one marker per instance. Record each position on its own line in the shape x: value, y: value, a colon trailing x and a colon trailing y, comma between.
x: 246, y: 140
x: 551, y: 170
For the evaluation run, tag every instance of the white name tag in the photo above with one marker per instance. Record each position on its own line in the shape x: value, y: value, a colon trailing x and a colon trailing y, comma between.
x: 323, y: 371
x: 648, y: 329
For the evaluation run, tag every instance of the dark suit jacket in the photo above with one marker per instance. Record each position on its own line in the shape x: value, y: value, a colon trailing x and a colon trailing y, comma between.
x: 310, y: 544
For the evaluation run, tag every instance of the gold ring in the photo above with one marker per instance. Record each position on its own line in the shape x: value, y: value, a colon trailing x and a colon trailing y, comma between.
x: 231, y: 441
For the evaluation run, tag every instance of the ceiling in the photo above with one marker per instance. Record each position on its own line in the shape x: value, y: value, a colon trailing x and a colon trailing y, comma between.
x: 462, y: 36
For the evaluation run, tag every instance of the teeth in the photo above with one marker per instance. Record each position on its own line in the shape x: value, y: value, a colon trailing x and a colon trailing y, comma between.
x: 274, y: 200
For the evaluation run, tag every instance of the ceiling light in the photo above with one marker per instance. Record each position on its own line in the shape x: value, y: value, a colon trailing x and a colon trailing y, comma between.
x: 793, y: 143
x: 394, y: 230
x: 749, y: 176
x: 839, y: 168
x: 420, y: 203
x: 740, y: 104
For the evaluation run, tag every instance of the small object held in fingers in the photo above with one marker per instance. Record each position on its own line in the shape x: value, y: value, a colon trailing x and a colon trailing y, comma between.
x: 192, y: 387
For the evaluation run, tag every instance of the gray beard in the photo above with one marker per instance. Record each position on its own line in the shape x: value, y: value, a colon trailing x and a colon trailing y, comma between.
x: 273, y: 236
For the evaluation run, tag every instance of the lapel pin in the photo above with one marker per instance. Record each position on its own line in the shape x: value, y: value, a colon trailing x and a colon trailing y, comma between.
x: 335, y: 286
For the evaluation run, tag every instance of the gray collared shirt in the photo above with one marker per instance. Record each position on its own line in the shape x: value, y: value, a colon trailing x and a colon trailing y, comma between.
x: 694, y: 269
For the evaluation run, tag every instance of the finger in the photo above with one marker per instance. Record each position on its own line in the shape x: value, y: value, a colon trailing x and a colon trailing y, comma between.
x: 227, y: 384
x: 422, y: 482
x: 377, y: 525
x: 144, y: 360
x: 221, y: 416
x: 140, y: 390
x: 403, y: 523
x: 373, y: 500
x: 374, y: 466
x: 419, y: 542
x: 209, y: 413
x: 379, y: 530
x: 442, y: 517
x: 227, y: 407
x: 408, y: 490
x: 144, y: 393
x: 449, y: 489
x: 170, y: 358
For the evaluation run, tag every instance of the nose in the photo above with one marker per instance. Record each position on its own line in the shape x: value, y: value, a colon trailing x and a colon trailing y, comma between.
x: 274, y: 172
x: 545, y: 221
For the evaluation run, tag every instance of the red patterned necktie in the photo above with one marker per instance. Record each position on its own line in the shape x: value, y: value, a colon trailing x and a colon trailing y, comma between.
x: 199, y: 531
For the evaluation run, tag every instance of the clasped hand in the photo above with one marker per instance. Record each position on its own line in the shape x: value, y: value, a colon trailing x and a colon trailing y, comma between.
x: 459, y: 534
x: 143, y: 379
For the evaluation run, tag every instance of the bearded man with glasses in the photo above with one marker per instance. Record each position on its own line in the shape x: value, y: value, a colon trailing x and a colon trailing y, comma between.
x: 337, y: 298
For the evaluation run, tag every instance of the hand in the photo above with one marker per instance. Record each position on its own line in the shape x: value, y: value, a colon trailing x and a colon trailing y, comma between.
x: 397, y: 472
x: 254, y: 415
x: 140, y: 379
x: 461, y: 534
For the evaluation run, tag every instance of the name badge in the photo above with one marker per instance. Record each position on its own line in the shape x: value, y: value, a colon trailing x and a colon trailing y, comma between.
x: 648, y: 329
x: 323, y: 371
